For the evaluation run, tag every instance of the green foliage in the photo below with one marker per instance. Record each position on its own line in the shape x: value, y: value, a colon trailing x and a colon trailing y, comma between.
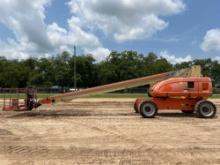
x: 59, y: 70
x: 86, y: 71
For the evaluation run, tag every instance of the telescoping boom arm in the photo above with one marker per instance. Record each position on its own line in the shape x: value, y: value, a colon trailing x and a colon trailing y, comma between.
x: 192, y: 71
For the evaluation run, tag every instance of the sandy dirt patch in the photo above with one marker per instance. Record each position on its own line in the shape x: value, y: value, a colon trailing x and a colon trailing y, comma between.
x: 106, y: 131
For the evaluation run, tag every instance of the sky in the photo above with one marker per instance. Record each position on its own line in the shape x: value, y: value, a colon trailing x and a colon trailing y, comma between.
x: 178, y: 30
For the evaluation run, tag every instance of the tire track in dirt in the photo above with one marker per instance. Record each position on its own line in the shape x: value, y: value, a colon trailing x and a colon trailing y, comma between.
x: 146, y: 156
x: 5, y: 132
x: 58, y: 147
x: 113, y: 133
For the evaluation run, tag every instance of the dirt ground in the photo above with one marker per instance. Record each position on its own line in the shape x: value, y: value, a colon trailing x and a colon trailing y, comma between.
x: 106, y: 131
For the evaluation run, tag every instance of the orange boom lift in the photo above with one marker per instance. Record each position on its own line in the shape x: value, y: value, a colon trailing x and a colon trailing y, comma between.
x: 185, y: 90
x: 186, y: 94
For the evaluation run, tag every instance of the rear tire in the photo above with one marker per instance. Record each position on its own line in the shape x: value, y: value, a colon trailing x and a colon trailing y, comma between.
x: 136, y: 109
x: 148, y: 109
x: 205, y: 109
x: 136, y: 106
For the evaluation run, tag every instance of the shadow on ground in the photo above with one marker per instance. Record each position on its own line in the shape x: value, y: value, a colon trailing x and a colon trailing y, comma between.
x: 67, y: 114
x: 176, y: 114
x: 80, y: 113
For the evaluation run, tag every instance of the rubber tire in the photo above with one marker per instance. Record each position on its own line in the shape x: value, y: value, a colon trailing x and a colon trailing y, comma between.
x: 199, y: 109
x: 137, y: 104
x: 153, y: 107
x: 187, y: 112
x: 135, y: 107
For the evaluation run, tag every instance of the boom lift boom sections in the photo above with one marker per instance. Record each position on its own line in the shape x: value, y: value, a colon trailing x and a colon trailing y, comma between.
x: 194, y: 70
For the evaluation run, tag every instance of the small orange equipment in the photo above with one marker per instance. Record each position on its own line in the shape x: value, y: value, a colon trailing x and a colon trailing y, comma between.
x: 188, y: 94
x: 19, y: 99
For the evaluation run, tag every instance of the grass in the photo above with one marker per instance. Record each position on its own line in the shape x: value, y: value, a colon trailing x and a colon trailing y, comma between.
x: 105, y: 95
x: 216, y: 96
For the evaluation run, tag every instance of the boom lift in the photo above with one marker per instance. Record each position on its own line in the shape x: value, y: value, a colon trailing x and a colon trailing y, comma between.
x: 188, y: 94
x: 185, y: 89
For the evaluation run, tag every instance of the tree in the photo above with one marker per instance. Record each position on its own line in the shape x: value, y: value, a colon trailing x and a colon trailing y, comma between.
x: 206, y: 65
x: 86, y: 71
x: 215, y: 73
x: 183, y: 65
x: 12, y: 74
x: 61, y: 69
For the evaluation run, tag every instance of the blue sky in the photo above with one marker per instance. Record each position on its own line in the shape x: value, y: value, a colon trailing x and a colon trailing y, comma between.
x: 179, y: 30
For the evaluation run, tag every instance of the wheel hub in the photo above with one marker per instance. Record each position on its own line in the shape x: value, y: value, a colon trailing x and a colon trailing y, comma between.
x: 148, y: 110
x: 207, y: 110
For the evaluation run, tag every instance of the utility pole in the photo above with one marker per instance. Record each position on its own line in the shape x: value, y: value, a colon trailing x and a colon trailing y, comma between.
x: 75, y: 82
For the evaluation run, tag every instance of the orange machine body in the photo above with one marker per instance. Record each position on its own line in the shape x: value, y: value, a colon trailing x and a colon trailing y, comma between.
x: 191, y: 87
x: 179, y: 93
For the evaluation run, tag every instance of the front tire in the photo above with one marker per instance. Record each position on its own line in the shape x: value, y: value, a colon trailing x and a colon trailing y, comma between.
x: 205, y: 109
x: 148, y: 109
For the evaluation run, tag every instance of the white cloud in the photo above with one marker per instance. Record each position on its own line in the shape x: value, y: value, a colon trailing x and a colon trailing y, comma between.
x: 152, y: 25
x: 26, y: 20
x: 211, y: 41
x: 121, y: 19
x: 217, y: 58
x: 126, y: 19
x: 33, y: 37
x: 12, y: 49
x: 99, y: 53
x: 173, y: 59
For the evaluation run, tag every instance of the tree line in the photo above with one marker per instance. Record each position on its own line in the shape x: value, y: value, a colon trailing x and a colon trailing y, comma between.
x: 59, y: 70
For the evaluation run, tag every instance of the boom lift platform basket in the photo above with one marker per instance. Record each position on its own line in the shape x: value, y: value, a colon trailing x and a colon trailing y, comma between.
x: 18, y: 99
